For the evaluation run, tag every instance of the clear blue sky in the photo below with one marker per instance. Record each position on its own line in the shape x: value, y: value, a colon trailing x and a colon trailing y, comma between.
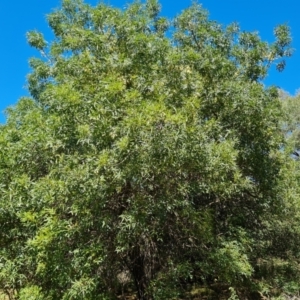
x: 18, y: 17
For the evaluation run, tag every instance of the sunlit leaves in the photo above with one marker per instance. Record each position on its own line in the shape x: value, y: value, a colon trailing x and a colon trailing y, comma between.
x: 36, y: 39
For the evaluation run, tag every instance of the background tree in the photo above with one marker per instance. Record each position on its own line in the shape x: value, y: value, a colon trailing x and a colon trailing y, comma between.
x: 291, y: 121
x: 148, y: 158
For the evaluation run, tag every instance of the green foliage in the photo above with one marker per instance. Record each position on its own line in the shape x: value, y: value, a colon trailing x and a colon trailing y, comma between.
x: 149, y: 159
x: 31, y: 293
x: 291, y: 120
x: 36, y: 40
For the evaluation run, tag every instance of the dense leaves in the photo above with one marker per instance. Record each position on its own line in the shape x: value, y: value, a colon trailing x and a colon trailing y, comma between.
x: 148, y: 161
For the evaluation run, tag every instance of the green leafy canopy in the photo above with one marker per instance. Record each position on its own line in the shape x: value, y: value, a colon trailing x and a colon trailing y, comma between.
x: 147, y: 159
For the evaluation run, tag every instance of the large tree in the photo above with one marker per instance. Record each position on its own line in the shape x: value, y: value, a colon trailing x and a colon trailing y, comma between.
x: 148, y: 159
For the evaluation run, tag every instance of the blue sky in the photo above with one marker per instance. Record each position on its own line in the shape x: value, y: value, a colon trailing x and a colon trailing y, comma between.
x: 18, y: 17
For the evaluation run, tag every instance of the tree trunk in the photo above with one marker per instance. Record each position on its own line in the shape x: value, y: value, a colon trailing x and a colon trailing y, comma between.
x: 137, y: 269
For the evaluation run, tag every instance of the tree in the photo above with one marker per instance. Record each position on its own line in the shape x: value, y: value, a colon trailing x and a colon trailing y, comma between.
x: 291, y: 120
x: 148, y: 158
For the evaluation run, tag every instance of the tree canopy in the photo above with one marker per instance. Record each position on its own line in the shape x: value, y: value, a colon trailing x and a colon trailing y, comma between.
x: 150, y: 160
